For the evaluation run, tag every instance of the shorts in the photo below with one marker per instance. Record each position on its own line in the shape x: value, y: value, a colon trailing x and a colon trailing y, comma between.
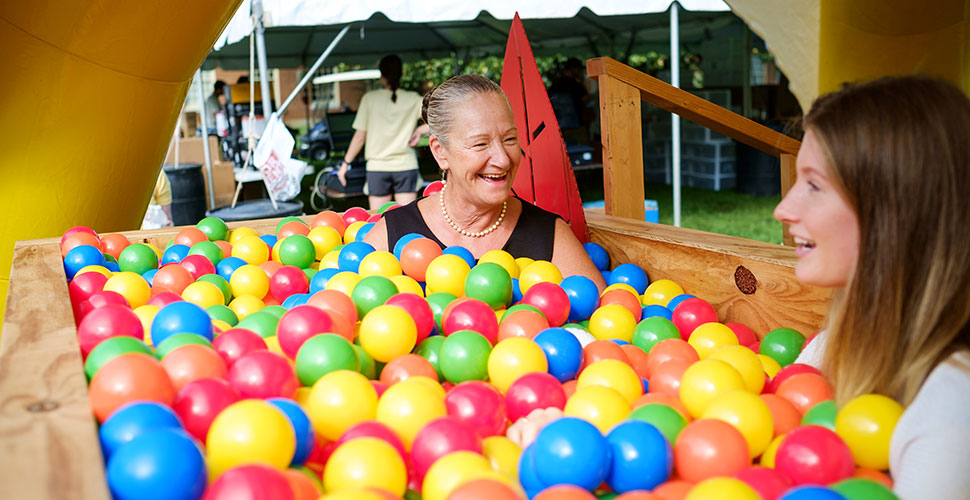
x: 387, y: 183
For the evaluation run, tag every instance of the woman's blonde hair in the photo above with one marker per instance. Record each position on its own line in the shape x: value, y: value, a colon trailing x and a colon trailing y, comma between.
x: 441, y: 103
x: 900, y: 147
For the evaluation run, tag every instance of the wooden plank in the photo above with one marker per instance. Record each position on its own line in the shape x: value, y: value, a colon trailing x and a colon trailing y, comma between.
x: 721, y: 120
x: 622, y: 148
x: 788, y: 177
x: 48, y: 438
x: 747, y: 281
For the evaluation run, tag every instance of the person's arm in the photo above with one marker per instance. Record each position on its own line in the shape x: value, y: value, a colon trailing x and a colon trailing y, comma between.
x: 168, y: 213
x: 377, y: 236
x: 418, y: 132
x: 356, y: 144
x: 571, y: 258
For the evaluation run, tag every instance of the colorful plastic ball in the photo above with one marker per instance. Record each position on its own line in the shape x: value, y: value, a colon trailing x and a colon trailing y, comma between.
x: 207, y: 249
x: 222, y: 313
x: 329, y: 218
x: 783, y: 345
x: 598, y: 350
x: 249, y: 309
x: 745, y: 335
x: 430, y: 349
x: 479, y: 405
x: 162, y: 463
x: 863, y: 489
x: 263, y: 374
x: 77, y: 229
x: 538, y: 272
x: 747, y: 413
x: 99, y: 299
x: 126, y: 378
x: 108, y: 349
x: 419, y: 310
x: 452, y: 471
x: 669, y: 350
x: 197, y: 265
x: 641, y: 457
x: 232, y: 344
x: 249, y: 280
x: 784, y: 416
x: 490, y: 283
x: 572, y: 451
x: 214, y: 228
x: 709, y: 337
x: 652, y: 330
x: 178, y: 340
x: 138, y: 258
x: 440, y: 437
x: 305, y: 436
x: 612, y: 321
x: 371, y: 292
x: 365, y: 462
x: 107, y: 322
x: 322, y: 354
x: 632, y: 275
x: 484, y: 489
x: 705, y: 380
x: 339, y: 400
x: 665, y: 418
x: 614, y: 374
x: 203, y: 294
x: 180, y: 317
x: 598, y: 255
x: 563, y: 352
x: 351, y: 254
x: 406, y: 407
x: 550, y: 299
x: 746, y: 362
x: 808, y: 492
x: 407, y: 366
x: 198, y: 402
x: 287, y: 281
x: 249, y: 431
x: 814, y: 455
x: 787, y: 372
x: 251, y: 249
x: 379, y: 263
x: 447, y: 273
x: 654, y: 310
x: 132, y: 420
x: 398, y: 249
x: 512, y: 358
x: 660, y: 292
x: 174, y: 254
x: 533, y: 391
x: 251, y: 481
x: 805, y: 390
x: 708, y: 448
x: 470, y: 314
x: 82, y: 256
x: 521, y: 323
x: 297, y: 250
x: 172, y: 277
x: 624, y: 298
x: 866, y: 424
x: 355, y: 214
x: 768, y: 483
x: 823, y: 414
x: 600, y: 405
x: 320, y: 279
x: 722, y: 488
x: 387, y: 332
x: 464, y: 356
x: 583, y: 297
x: 416, y: 255
x: 191, y: 362
x: 325, y: 239
x: 692, y: 313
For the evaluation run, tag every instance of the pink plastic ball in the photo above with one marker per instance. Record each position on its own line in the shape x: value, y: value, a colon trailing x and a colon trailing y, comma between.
x: 812, y: 454
x: 263, y: 374
x: 692, y: 313
x: 355, y: 214
x: 105, y: 322
x: 769, y: 483
x: 787, y: 372
x: 288, y: 280
x: 250, y: 482
x: 470, y: 314
x: 440, y: 437
x: 100, y: 299
x: 299, y: 324
x: 197, y: 265
x: 532, y: 391
x: 235, y: 342
x: 163, y: 299
x: 551, y: 299
x: 480, y: 405
x: 419, y: 309
x: 745, y: 335
x: 198, y: 402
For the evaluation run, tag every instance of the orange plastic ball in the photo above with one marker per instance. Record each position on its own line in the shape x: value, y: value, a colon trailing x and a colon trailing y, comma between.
x: 406, y: 366
x: 484, y: 489
x: 638, y: 359
x: 624, y: 298
x: 172, y: 277
x: 78, y: 239
x: 522, y: 323
x: 291, y: 228
x: 709, y: 448
x: 564, y: 492
x: 190, y: 236
x: 667, y: 350
x: 112, y: 244
x: 417, y: 255
x: 129, y: 377
x: 192, y: 362
x: 599, y: 350
x: 805, y: 390
x: 329, y: 218
x: 335, y: 301
x: 666, y: 377
x: 675, y: 489
x: 783, y: 414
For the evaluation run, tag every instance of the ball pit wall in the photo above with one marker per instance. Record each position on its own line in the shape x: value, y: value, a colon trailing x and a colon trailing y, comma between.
x: 50, y: 447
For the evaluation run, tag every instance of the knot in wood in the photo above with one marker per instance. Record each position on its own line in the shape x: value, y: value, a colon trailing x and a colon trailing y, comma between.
x: 745, y: 281
x: 43, y: 406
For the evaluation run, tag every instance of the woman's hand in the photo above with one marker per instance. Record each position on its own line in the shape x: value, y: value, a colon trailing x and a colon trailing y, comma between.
x: 524, y: 431
x: 342, y: 173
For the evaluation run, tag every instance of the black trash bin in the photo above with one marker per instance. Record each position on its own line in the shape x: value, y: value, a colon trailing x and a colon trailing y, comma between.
x: 188, y: 192
x: 759, y: 173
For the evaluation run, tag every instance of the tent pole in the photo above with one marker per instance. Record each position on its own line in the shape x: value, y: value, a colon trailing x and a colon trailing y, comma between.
x: 312, y: 71
x: 257, y: 12
x: 205, y: 141
x: 674, y: 117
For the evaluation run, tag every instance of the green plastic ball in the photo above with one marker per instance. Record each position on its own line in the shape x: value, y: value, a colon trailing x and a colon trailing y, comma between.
x: 261, y: 322
x: 368, y: 367
x: 489, y: 283
x: 138, y: 258
x: 651, y: 331
x: 822, y: 414
x: 322, y: 354
x: 222, y: 313
x: 782, y: 345
x: 220, y: 282
x: 863, y: 489
x: 371, y: 292
x: 666, y: 419
x: 464, y: 356
x: 297, y: 250
x: 277, y: 311
x: 178, y: 340
x: 429, y: 349
x: 208, y: 250
x: 214, y: 228
x: 438, y: 302
x: 110, y: 348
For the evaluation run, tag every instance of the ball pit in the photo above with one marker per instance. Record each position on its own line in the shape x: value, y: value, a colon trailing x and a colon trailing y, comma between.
x: 412, y: 405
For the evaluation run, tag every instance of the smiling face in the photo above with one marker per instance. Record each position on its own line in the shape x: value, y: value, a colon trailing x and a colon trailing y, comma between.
x: 482, y: 154
x: 825, y: 227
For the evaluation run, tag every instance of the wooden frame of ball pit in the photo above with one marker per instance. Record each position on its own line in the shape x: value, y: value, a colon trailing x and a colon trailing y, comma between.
x: 49, y: 446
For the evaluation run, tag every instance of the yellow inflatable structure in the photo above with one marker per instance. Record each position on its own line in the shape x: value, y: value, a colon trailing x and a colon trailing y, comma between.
x: 90, y: 94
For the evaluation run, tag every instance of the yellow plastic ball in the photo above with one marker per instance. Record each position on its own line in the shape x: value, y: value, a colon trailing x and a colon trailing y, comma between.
x: 158, y: 251
x: 746, y: 362
x: 94, y: 269
x: 366, y: 462
x: 503, y: 455
x: 203, y: 294
x: 660, y: 292
x: 621, y: 286
x: 238, y: 233
x: 273, y: 345
x: 350, y: 234
x: 747, y: 413
x: 537, y: 272
x: 248, y: 431
x: 354, y: 494
x: 512, y: 358
x: 302, y: 396
x: 599, y: 405
x: 407, y: 284
x: 704, y: 380
x: 769, y: 365
x: 446, y: 273
x: 339, y: 400
x: 249, y: 280
x: 221, y: 325
x: 344, y: 281
x: 430, y: 383
x: 722, y: 488
x: 275, y: 253
x: 251, y: 249
x: 866, y: 425
x: 131, y: 286
x: 768, y: 456
x: 379, y: 263
x: 146, y: 314
x: 387, y: 332
x: 614, y: 374
x: 522, y: 263
x: 502, y: 258
x: 451, y: 471
x: 407, y: 406
x: 710, y: 337
x: 330, y: 260
x: 325, y: 239
x: 612, y: 321
x: 244, y: 305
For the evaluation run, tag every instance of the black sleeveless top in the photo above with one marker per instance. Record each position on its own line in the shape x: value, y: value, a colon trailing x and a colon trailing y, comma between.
x: 533, y: 236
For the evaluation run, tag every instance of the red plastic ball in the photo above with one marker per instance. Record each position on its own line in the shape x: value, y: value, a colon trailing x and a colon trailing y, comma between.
x: 288, y: 280
x: 470, y: 314
x: 299, y: 324
x: 374, y: 218
x: 82, y: 287
x: 105, y: 322
x: 440, y: 437
x: 235, y: 342
x: 433, y: 188
x: 532, y: 391
x: 250, y: 482
x: 163, y: 298
x: 198, y: 402
x: 420, y: 311
x: 263, y: 374
x: 407, y: 366
x: 812, y: 454
x: 745, y: 335
x: 197, y: 265
x: 551, y: 299
x: 480, y: 405
x: 374, y: 429
x: 692, y: 313
x: 98, y: 300
x: 354, y: 214
x: 768, y: 483
x: 788, y: 371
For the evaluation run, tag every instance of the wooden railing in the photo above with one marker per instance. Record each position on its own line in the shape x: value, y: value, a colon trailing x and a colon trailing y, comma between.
x: 622, y: 88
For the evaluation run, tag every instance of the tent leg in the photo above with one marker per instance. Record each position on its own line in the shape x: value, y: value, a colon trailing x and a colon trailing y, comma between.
x: 675, y: 118
x: 257, y: 11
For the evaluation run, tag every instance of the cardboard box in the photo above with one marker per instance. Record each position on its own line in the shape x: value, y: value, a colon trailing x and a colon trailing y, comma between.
x: 191, y: 151
x: 223, y: 183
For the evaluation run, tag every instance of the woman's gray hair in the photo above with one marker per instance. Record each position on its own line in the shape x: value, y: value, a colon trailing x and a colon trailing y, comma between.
x: 438, y: 109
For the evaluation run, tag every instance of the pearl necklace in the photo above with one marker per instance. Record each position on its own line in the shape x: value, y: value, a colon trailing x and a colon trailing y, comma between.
x: 479, y: 234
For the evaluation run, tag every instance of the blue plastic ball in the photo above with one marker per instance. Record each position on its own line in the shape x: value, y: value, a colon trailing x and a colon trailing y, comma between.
x: 583, y: 295
x: 632, y: 275
x: 404, y: 240
x: 606, y: 275
x: 516, y: 291
x: 563, y: 351
x: 174, y: 254
x: 598, y: 255
x: 572, y: 451
x: 461, y: 252
x: 351, y: 254
x: 642, y: 457
x: 619, y: 342
x: 227, y: 266
x: 305, y: 437
x: 362, y: 232
x: 269, y: 239
x: 80, y: 257
x: 319, y: 280
x: 112, y: 266
x: 159, y: 464
x: 133, y: 420
x: 149, y: 276
x: 674, y: 302
x: 297, y: 299
x: 180, y: 317
x: 811, y: 493
x: 656, y: 310
x: 527, y: 472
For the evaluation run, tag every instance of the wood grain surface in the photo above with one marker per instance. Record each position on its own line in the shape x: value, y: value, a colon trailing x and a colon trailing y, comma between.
x: 622, y: 149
